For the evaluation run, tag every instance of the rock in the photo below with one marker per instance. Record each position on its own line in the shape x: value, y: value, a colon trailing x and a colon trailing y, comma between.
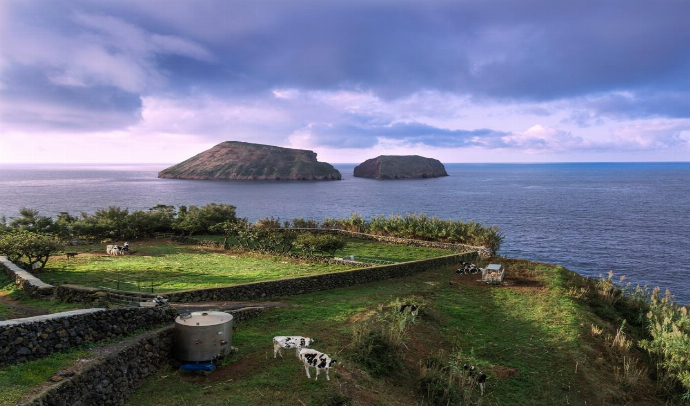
x: 56, y: 378
x: 234, y: 160
x: 400, y: 167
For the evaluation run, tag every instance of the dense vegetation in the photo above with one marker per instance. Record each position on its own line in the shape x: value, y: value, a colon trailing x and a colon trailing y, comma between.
x: 116, y: 223
x: 420, y: 227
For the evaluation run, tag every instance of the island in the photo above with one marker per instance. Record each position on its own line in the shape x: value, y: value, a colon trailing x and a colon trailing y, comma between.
x: 235, y: 160
x: 400, y: 167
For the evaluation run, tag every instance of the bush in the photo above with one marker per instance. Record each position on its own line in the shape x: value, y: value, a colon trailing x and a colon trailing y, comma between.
x: 445, y: 382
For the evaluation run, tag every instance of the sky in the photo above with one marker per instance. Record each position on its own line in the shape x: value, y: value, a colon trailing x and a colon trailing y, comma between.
x: 460, y: 81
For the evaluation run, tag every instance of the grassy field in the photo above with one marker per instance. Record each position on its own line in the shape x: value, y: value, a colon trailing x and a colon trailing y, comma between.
x: 529, y: 336
x: 373, y: 250
x: 172, y: 267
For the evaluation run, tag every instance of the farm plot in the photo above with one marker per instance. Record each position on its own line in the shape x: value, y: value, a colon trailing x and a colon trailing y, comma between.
x: 168, y: 267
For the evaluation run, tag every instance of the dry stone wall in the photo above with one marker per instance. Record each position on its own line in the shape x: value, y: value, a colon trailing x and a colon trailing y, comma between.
x: 112, y: 377
x: 307, y: 284
x: 33, y: 286
x: 37, y: 337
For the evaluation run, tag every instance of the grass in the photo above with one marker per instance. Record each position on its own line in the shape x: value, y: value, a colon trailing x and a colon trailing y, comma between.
x: 14, y: 303
x: 173, y: 267
x: 388, y: 252
x: 531, y: 339
x: 373, y: 250
x: 17, y: 380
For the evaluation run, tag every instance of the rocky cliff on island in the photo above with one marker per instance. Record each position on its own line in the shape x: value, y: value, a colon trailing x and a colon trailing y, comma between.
x: 235, y: 160
x: 400, y: 167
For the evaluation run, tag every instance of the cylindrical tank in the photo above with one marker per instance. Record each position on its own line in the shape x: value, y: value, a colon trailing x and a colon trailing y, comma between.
x: 202, y: 336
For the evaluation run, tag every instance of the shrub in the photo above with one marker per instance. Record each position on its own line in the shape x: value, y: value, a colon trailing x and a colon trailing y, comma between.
x: 445, y: 382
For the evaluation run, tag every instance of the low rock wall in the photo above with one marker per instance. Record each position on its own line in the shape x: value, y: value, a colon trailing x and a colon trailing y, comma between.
x: 37, y: 337
x: 112, y: 377
x: 307, y: 284
x: 33, y: 286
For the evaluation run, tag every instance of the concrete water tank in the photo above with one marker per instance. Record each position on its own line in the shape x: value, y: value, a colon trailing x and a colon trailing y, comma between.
x: 202, y: 336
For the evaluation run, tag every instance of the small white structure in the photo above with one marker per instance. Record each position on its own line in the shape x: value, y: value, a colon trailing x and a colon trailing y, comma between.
x: 493, y: 274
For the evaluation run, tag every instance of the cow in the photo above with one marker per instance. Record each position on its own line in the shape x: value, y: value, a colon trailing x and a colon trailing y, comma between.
x: 114, y: 250
x: 472, y: 374
x: 414, y: 309
x: 481, y: 380
x: 297, y: 342
x: 316, y: 359
x: 468, y: 268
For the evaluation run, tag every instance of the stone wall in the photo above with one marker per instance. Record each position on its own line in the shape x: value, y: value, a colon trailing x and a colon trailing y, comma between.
x: 112, y: 377
x: 37, y: 337
x: 33, y: 286
x: 307, y: 284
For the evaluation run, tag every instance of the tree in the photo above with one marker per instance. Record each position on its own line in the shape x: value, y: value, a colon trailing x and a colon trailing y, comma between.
x: 33, y: 247
x: 31, y: 220
x: 229, y: 229
x: 195, y: 220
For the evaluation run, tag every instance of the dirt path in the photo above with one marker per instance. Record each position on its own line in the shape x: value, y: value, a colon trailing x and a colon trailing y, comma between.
x: 12, y: 309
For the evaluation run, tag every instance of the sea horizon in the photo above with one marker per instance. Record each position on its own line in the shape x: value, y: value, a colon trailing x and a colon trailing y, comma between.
x: 588, y: 217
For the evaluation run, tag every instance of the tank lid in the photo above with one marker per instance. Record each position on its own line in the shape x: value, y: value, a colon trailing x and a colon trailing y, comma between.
x: 204, y: 319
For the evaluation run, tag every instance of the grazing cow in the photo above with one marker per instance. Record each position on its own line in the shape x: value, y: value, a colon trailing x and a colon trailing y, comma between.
x: 481, y: 380
x: 318, y: 360
x: 114, y: 250
x: 468, y: 268
x: 480, y: 377
x: 414, y: 309
x: 296, y: 342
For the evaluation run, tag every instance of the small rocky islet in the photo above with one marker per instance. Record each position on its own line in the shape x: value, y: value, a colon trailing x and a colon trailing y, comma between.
x: 236, y: 160
x: 400, y: 167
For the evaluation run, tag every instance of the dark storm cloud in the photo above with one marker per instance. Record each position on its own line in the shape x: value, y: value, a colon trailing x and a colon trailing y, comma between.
x: 106, y: 55
x: 537, y: 50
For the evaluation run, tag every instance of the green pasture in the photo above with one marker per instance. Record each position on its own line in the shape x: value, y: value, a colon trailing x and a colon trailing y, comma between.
x: 529, y: 340
x: 370, y: 249
x: 173, y: 267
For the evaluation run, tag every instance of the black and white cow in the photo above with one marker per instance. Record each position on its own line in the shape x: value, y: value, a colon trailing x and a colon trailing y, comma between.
x: 318, y: 360
x: 414, y: 309
x: 114, y: 250
x: 468, y: 268
x: 297, y: 342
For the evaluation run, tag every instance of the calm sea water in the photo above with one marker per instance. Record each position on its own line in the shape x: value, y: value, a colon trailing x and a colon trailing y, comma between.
x: 632, y: 218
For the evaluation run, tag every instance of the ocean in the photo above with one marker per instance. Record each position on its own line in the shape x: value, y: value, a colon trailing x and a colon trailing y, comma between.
x: 631, y: 218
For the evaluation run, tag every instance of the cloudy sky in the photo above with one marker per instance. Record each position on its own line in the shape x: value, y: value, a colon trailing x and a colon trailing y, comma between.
x: 462, y: 81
